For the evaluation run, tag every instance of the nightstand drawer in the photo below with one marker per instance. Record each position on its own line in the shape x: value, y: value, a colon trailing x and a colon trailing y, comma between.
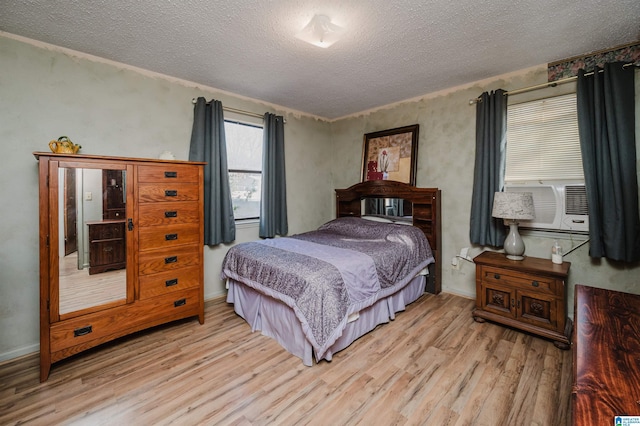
x: 519, y: 280
x: 106, y: 230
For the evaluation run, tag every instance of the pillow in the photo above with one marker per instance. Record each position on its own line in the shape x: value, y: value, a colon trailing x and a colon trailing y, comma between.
x: 377, y: 219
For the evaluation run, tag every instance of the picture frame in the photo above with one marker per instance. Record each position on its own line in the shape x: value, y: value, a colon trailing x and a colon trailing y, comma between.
x: 391, y: 155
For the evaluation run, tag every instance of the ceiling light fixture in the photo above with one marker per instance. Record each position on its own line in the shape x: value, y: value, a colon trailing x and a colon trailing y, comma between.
x: 321, y: 32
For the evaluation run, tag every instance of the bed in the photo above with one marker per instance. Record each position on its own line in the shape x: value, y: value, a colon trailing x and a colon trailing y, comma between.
x: 317, y: 292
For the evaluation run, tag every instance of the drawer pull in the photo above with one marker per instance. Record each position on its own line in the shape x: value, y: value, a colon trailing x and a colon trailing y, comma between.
x: 496, y: 276
x: 171, y: 174
x: 180, y: 302
x: 171, y: 214
x: 513, y: 303
x: 172, y: 259
x: 171, y: 283
x: 82, y: 331
x: 108, y: 249
x: 535, y: 283
x: 170, y: 237
x: 170, y: 193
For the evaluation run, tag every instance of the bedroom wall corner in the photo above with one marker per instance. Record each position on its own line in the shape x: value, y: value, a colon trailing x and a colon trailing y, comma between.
x: 114, y: 109
x: 446, y: 155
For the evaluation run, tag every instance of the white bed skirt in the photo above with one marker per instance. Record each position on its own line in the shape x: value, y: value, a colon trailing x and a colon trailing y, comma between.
x: 276, y: 320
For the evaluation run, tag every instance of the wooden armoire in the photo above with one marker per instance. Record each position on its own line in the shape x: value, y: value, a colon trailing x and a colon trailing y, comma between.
x: 148, y: 213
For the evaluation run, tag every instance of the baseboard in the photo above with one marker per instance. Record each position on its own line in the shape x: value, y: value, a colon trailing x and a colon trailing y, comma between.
x: 16, y: 353
x: 35, y: 348
x: 464, y: 294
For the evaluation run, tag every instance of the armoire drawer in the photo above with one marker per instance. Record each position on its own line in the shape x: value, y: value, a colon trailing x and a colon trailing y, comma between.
x: 168, y: 173
x: 155, y: 237
x: 154, y: 192
x: 163, y: 260
x: 120, y: 320
x: 169, y: 213
x: 167, y: 282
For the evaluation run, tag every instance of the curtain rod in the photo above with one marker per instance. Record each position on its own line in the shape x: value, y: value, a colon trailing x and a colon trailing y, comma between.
x: 239, y: 111
x: 543, y: 85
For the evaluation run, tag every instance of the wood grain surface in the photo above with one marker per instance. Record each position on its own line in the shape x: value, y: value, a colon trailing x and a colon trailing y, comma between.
x: 432, y: 365
x: 607, y: 356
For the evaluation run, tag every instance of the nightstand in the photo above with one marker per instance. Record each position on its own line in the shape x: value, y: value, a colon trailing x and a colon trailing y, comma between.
x: 528, y: 294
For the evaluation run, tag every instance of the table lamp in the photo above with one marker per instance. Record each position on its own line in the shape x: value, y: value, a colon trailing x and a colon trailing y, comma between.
x: 512, y: 207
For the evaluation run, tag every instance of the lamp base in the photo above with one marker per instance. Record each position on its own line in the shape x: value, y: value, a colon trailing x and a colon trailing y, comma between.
x: 513, y: 244
x: 513, y: 257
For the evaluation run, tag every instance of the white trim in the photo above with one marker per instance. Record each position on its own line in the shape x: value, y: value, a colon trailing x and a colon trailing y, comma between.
x: 16, y: 353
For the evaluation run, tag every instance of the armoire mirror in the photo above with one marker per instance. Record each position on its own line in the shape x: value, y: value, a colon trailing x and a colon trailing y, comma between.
x: 92, y: 271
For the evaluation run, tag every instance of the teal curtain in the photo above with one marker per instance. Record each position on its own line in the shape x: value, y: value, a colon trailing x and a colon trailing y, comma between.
x: 489, y: 168
x: 606, y: 122
x: 273, y: 203
x: 208, y: 144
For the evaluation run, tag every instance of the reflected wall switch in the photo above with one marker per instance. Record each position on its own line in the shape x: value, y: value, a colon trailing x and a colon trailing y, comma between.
x: 88, y: 196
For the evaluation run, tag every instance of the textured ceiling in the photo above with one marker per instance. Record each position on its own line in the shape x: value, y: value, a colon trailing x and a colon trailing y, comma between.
x: 392, y: 50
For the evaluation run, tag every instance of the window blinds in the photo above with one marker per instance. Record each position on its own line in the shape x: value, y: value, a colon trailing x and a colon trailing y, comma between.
x: 543, y: 141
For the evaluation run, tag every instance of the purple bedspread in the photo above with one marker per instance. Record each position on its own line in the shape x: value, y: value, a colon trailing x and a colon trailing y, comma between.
x: 324, y: 275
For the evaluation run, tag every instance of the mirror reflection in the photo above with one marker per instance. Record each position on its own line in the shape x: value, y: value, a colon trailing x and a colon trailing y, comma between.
x: 92, y: 239
x: 396, y: 208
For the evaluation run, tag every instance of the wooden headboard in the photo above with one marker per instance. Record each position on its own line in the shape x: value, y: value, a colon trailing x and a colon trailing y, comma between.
x: 425, y: 208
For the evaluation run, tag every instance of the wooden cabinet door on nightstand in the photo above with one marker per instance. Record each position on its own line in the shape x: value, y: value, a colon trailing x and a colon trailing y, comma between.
x: 537, y: 309
x: 498, y: 299
x: 529, y: 295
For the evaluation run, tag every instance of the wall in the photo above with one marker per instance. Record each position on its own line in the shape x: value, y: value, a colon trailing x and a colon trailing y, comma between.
x: 111, y: 109
x: 446, y: 155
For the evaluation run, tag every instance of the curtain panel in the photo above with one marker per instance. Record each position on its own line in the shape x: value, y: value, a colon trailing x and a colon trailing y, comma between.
x: 208, y: 144
x: 273, y: 203
x: 606, y: 122
x: 489, y: 169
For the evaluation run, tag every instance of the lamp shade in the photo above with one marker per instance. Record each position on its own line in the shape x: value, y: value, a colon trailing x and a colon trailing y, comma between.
x: 513, y: 205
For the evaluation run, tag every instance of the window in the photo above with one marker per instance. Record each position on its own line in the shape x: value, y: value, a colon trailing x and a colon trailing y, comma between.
x: 544, y: 158
x: 244, y: 159
x: 542, y: 140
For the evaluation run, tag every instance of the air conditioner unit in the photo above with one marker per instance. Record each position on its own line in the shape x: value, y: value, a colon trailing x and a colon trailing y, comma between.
x: 559, y: 205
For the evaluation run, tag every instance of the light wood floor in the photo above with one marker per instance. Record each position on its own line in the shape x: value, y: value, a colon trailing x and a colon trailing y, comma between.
x: 79, y: 290
x: 432, y: 365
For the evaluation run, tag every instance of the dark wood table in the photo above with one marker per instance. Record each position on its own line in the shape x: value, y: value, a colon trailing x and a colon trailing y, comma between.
x: 606, y: 356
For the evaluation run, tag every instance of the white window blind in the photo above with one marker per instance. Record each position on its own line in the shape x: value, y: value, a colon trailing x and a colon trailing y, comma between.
x: 542, y: 140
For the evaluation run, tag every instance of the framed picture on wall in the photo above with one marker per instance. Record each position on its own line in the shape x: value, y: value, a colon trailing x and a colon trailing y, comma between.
x: 391, y: 155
